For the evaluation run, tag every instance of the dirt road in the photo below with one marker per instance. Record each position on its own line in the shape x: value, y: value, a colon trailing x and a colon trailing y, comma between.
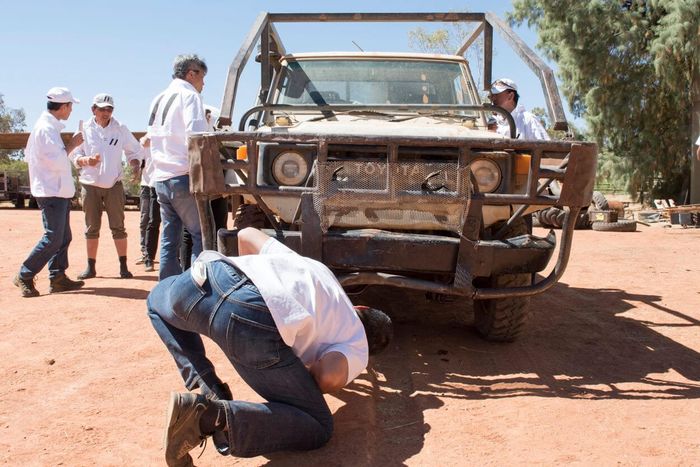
x: 608, y: 372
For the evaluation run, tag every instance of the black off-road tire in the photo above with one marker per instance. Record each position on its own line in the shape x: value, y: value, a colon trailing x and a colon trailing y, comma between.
x: 503, y: 320
x: 599, y: 201
x: 623, y: 225
x: 249, y: 215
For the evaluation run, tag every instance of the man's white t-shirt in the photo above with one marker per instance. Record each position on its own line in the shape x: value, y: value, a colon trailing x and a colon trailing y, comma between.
x: 527, y: 125
x: 311, y: 310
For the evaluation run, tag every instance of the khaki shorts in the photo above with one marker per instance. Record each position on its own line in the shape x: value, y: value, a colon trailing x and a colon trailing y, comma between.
x: 95, y: 200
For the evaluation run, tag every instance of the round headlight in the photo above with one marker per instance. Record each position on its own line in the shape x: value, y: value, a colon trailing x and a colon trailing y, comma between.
x: 487, y: 174
x: 290, y: 168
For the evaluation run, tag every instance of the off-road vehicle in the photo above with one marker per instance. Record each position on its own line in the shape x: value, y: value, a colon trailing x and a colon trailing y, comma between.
x: 380, y: 165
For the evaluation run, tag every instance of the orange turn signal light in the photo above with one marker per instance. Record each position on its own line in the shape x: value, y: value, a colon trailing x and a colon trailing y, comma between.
x: 242, y: 153
x: 522, y: 164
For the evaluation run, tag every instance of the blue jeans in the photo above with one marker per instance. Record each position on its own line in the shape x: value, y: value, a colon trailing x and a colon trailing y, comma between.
x: 52, y: 249
x: 177, y: 208
x: 229, y: 310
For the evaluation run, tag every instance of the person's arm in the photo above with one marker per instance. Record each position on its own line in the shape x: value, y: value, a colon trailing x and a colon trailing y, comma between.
x: 330, y: 372
x: 698, y: 153
x: 133, y: 152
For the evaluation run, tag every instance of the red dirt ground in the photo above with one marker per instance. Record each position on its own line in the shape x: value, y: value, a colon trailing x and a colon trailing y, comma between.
x: 607, y: 373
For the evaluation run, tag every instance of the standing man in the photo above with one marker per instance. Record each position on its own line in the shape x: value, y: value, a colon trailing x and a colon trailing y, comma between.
x: 51, y: 183
x: 175, y: 114
x: 150, y: 211
x: 504, y: 93
x: 290, y: 332
x: 99, y: 160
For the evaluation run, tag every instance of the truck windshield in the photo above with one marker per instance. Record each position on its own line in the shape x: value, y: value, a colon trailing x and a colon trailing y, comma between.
x: 371, y: 82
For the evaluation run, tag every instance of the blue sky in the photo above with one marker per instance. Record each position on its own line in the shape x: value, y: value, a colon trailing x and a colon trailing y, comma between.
x: 126, y: 48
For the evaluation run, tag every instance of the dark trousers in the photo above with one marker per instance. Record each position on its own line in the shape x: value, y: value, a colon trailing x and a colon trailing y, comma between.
x: 150, y: 222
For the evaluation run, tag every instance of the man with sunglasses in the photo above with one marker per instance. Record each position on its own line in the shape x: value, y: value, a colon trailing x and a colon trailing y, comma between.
x: 99, y: 160
x: 504, y: 93
x: 175, y: 114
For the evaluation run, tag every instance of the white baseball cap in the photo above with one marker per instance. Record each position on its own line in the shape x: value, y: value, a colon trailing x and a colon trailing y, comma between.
x: 61, y: 96
x: 503, y: 84
x: 103, y: 100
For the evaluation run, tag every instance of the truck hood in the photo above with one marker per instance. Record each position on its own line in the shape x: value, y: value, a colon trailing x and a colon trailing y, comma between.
x: 436, y: 127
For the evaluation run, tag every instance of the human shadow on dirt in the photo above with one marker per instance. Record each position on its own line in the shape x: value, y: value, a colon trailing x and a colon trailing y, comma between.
x: 381, y: 423
x: 118, y: 292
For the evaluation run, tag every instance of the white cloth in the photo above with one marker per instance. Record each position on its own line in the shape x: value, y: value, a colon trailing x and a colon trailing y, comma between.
x: 697, y: 143
x: 109, y: 142
x: 313, y: 314
x: 527, y: 126
x: 147, y: 171
x: 49, y: 167
x: 179, y: 113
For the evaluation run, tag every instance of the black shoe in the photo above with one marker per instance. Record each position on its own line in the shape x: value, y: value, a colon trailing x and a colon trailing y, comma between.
x: 149, y: 266
x: 125, y: 274
x: 26, y: 286
x: 87, y: 274
x: 63, y: 284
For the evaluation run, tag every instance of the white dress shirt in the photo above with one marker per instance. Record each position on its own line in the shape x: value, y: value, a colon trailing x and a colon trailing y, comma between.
x: 313, y: 314
x: 109, y: 142
x: 175, y: 114
x: 527, y: 126
x: 49, y: 167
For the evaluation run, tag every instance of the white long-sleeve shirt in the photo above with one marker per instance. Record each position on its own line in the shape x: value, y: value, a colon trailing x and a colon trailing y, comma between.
x: 49, y: 167
x: 527, y: 126
x: 147, y: 171
x: 313, y: 314
x: 109, y: 142
x: 175, y: 114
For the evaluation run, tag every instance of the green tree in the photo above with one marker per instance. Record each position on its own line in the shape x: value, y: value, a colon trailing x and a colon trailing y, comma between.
x: 11, y: 121
x: 449, y: 41
x: 626, y: 67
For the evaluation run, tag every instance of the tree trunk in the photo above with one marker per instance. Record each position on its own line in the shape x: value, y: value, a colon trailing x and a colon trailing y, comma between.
x: 695, y: 127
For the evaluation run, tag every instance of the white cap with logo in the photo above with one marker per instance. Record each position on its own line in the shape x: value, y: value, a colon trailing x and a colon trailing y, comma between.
x: 103, y: 100
x: 503, y: 84
x: 61, y: 96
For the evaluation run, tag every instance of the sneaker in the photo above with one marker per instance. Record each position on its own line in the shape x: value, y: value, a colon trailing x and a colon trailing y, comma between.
x: 149, y: 266
x: 142, y: 259
x: 182, y: 433
x: 125, y: 274
x: 64, y: 284
x: 26, y: 286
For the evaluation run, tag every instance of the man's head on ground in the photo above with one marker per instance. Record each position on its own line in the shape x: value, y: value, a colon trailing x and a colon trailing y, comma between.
x: 60, y: 102
x: 378, y: 328
x: 102, y: 108
x: 504, y: 93
x: 190, y: 68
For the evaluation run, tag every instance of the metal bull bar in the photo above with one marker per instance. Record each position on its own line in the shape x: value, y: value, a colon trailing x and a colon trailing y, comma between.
x: 212, y: 154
